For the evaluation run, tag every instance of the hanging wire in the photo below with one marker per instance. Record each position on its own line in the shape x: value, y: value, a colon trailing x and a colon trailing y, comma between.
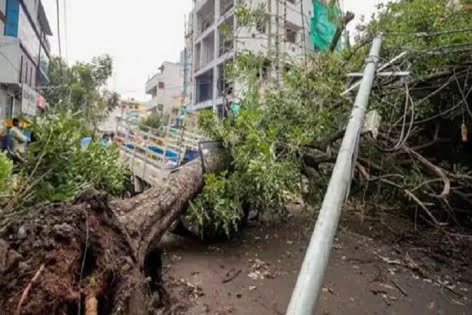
x: 409, y: 106
x: 429, y: 34
x: 66, y: 39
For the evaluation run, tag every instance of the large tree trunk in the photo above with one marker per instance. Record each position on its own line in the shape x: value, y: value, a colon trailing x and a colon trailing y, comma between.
x: 148, y: 216
x: 57, y: 259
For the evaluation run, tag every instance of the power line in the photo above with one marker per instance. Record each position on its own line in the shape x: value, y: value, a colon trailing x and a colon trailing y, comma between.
x: 66, y: 30
x: 58, y: 28
x: 430, y: 34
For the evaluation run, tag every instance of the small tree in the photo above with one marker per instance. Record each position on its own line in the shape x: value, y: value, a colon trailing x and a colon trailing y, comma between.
x: 80, y: 87
x: 154, y: 120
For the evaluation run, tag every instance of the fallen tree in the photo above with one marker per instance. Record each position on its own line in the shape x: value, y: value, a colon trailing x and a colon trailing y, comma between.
x: 93, y: 256
x: 417, y: 160
x: 60, y: 258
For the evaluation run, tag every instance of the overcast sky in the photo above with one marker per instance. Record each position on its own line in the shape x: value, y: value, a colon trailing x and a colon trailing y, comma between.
x: 360, y: 8
x: 138, y: 34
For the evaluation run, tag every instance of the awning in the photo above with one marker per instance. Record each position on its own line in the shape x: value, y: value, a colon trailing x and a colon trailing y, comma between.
x: 31, y: 100
x: 41, y: 102
x: 43, y: 20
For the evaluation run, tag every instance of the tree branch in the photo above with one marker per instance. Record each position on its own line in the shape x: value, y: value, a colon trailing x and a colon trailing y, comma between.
x: 436, y: 169
x: 348, y: 17
x: 322, y: 145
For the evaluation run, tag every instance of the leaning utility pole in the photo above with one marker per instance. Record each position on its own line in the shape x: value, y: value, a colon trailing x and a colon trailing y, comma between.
x: 314, y: 266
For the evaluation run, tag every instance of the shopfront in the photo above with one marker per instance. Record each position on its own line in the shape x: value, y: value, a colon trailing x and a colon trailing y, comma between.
x: 24, y: 102
x: 28, y: 101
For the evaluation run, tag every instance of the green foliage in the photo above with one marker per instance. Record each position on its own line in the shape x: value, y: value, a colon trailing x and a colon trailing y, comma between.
x: 280, y: 124
x: 79, y: 87
x: 58, y: 168
x: 6, y: 169
x: 248, y: 14
x: 401, y: 20
x: 218, y: 210
x: 112, y: 100
x: 103, y: 170
x: 154, y: 120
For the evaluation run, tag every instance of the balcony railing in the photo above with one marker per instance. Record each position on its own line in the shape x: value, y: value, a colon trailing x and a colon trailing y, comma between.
x: 153, y: 82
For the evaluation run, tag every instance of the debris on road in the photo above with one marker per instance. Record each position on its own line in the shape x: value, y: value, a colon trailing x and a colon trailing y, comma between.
x: 260, y: 270
x: 231, y: 275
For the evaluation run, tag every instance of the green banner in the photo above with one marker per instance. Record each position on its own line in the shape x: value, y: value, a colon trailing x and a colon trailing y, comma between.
x: 324, y: 24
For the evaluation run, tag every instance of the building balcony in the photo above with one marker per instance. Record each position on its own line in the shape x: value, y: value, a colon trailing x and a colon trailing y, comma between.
x: 152, y: 84
x: 202, y: 105
x: 221, y: 59
x: 152, y: 103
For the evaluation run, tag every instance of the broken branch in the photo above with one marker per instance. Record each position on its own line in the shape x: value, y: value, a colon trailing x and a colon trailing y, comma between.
x: 447, y: 182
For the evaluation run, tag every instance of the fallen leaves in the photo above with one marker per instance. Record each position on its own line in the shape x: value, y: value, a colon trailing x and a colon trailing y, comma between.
x: 260, y: 270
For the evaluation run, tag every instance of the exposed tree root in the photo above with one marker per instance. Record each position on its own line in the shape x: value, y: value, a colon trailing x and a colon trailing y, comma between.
x: 24, y: 296
x: 88, y: 257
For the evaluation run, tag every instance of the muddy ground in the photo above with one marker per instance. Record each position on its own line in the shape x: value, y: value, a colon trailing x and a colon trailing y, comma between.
x: 379, y: 266
x: 56, y: 258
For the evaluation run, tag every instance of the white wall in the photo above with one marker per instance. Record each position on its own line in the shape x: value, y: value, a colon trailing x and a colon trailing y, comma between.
x: 9, y: 59
x: 110, y: 123
x: 3, y: 104
x: 173, y: 78
x: 151, y: 83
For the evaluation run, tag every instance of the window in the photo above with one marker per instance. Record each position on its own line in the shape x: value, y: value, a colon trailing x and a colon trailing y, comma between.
x: 31, y: 77
x: 261, y: 24
x: 44, y: 62
x: 225, y: 31
x: 9, y: 108
x: 225, y: 6
x: 21, y: 70
x: 28, y: 36
x: 26, y: 73
x: 161, y: 85
x: 291, y: 34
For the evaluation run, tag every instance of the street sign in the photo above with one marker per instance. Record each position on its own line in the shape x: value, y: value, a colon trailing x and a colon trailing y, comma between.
x: 28, y: 101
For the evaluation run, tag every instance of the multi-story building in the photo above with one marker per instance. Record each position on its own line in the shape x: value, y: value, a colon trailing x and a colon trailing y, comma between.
x: 133, y: 110
x: 165, y: 86
x: 187, y: 60
x: 24, y: 56
x: 284, y: 33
